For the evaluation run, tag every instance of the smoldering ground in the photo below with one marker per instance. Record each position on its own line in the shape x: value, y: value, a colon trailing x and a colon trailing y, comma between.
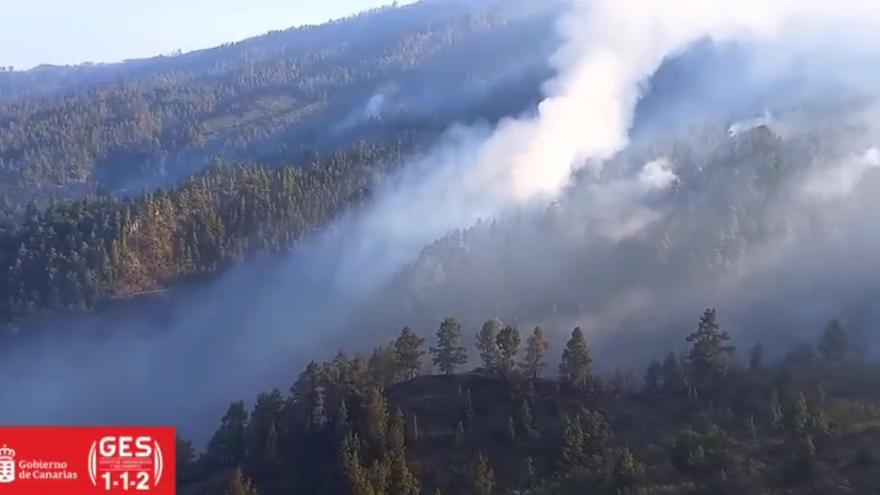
x: 637, y: 238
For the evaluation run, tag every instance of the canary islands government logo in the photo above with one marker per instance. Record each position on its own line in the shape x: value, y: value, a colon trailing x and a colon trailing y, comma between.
x: 87, y: 460
x: 7, y: 465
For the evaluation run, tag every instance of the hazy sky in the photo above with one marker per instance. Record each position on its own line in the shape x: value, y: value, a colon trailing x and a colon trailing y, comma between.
x: 34, y: 32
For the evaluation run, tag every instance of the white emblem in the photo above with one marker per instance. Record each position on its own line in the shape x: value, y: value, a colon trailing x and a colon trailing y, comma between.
x: 7, y: 465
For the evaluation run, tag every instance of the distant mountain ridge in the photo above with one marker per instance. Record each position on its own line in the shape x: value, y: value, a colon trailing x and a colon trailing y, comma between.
x: 272, y: 98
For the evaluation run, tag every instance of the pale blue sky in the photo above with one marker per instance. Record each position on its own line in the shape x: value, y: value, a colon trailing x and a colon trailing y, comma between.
x: 34, y: 32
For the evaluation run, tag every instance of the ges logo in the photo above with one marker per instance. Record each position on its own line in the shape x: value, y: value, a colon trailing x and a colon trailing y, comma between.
x: 126, y: 462
x: 86, y: 460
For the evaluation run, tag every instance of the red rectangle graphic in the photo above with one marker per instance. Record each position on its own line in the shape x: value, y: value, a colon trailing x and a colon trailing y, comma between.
x: 36, y: 460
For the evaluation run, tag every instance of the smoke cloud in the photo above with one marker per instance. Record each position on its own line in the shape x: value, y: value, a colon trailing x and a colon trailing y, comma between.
x: 840, y: 180
x: 632, y: 227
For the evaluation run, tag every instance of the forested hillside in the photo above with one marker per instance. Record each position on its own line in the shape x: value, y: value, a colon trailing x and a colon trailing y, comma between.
x: 185, y: 230
x: 716, y: 418
x: 272, y: 99
x: 73, y: 255
x: 664, y: 226
x: 99, y: 199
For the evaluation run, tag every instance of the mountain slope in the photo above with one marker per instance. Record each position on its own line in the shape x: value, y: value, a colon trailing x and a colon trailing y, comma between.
x: 299, y: 123
x: 275, y: 97
x: 358, y: 425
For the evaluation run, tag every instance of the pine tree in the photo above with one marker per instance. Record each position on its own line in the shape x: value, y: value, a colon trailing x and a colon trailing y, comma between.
x: 270, y: 453
x: 834, y: 343
x: 227, y: 447
x: 653, y: 377
x: 573, y: 455
x: 508, y: 345
x: 357, y: 477
x: 488, y: 346
x: 408, y: 350
x: 482, y: 476
x: 594, y: 428
x: 799, y: 416
x: 449, y: 355
x: 263, y: 441
x: 377, y: 420
x: 185, y: 458
x: 379, y: 475
x: 673, y: 374
x: 342, y: 425
x: 576, y: 361
x: 308, y: 397
x: 707, y: 360
x: 384, y: 366
x: 536, y: 352
x: 401, y: 480
x: 396, y: 432
x: 627, y: 472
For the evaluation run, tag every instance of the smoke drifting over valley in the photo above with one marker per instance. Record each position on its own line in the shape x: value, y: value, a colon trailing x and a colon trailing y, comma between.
x: 616, y: 204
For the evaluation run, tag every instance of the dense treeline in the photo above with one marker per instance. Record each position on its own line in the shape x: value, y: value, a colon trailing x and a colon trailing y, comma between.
x: 271, y: 98
x: 697, y: 422
x: 284, y: 100
x: 730, y: 198
x: 74, y: 254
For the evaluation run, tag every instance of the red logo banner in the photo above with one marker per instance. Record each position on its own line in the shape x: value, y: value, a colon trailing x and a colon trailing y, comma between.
x: 38, y: 460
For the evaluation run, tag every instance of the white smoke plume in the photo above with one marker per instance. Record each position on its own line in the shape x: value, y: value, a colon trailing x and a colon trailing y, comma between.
x: 657, y: 174
x: 839, y: 180
x: 609, y: 52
